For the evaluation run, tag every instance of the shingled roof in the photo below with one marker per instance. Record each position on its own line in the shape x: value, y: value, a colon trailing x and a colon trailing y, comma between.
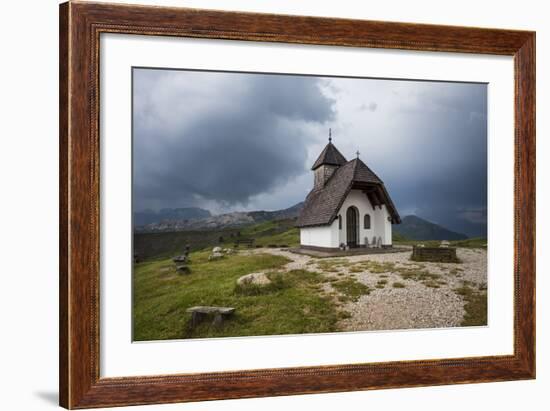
x: 322, y: 204
x: 330, y: 155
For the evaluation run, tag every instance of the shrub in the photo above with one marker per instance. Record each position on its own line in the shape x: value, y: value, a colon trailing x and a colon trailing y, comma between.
x: 352, y: 289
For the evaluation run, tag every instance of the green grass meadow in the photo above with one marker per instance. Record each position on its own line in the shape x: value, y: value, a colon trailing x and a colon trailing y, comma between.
x: 294, y: 303
x: 161, y: 297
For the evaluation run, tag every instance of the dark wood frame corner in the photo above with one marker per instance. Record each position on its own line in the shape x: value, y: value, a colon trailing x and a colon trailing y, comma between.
x: 80, y: 27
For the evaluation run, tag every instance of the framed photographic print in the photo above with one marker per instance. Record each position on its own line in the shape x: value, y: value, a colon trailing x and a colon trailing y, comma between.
x: 258, y: 205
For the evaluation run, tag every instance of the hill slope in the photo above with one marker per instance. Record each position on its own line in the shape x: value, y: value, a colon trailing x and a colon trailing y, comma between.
x: 416, y: 228
x: 155, y: 245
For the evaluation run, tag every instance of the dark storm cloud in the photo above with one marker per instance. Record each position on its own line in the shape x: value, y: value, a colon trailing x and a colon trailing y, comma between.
x: 438, y: 166
x: 219, y: 137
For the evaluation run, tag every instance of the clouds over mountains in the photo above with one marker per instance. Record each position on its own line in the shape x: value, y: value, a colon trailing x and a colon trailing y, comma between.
x: 220, y: 137
x: 228, y: 141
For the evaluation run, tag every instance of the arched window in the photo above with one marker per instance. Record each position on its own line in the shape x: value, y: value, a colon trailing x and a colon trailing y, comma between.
x: 367, y: 222
x: 339, y: 222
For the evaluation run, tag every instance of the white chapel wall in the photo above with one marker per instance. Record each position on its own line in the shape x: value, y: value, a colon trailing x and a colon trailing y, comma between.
x: 331, y: 236
x: 380, y: 226
x: 386, y: 225
x: 323, y: 236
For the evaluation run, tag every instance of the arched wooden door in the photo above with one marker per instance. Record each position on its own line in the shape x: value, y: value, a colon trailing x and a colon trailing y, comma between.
x: 352, y: 227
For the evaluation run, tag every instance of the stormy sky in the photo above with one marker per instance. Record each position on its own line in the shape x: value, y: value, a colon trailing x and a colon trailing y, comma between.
x: 237, y: 141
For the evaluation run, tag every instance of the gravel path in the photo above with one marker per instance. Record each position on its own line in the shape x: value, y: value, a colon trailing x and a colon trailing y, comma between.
x: 420, y: 303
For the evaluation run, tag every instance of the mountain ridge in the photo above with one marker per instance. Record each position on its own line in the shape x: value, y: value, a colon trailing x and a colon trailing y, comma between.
x: 413, y: 227
x: 145, y: 217
x: 227, y: 220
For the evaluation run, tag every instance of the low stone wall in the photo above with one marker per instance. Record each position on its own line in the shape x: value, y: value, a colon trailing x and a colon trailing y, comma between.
x: 435, y: 254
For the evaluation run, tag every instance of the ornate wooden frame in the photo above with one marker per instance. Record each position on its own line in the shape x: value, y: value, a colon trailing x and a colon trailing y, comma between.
x: 80, y: 27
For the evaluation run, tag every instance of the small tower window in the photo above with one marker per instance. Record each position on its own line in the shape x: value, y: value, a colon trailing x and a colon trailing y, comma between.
x: 339, y: 222
x: 367, y: 222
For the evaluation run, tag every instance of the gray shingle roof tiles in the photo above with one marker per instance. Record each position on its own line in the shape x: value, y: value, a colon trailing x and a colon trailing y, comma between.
x: 322, y: 204
x: 329, y: 155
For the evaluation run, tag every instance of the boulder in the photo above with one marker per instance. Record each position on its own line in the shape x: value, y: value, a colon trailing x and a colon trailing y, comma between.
x: 216, y: 250
x: 254, y: 279
x: 215, y: 256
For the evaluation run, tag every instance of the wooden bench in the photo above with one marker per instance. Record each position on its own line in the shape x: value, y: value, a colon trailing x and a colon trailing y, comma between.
x: 247, y: 241
x: 200, y: 313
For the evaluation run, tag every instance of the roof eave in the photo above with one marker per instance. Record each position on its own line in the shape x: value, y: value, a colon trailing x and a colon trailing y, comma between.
x: 313, y: 225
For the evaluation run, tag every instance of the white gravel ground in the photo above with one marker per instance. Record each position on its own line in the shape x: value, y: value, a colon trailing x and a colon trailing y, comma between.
x: 414, y: 306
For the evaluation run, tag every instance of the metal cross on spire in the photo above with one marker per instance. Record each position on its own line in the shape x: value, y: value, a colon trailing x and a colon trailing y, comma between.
x: 329, y: 135
x: 357, y: 153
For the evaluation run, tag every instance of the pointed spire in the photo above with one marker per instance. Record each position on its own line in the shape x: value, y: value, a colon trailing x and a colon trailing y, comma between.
x: 330, y: 155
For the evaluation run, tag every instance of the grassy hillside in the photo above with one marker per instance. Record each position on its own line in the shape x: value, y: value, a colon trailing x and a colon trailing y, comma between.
x: 161, y: 297
x: 281, y: 232
x: 151, y: 246
x: 154, y: 246
x: 397, y: 237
